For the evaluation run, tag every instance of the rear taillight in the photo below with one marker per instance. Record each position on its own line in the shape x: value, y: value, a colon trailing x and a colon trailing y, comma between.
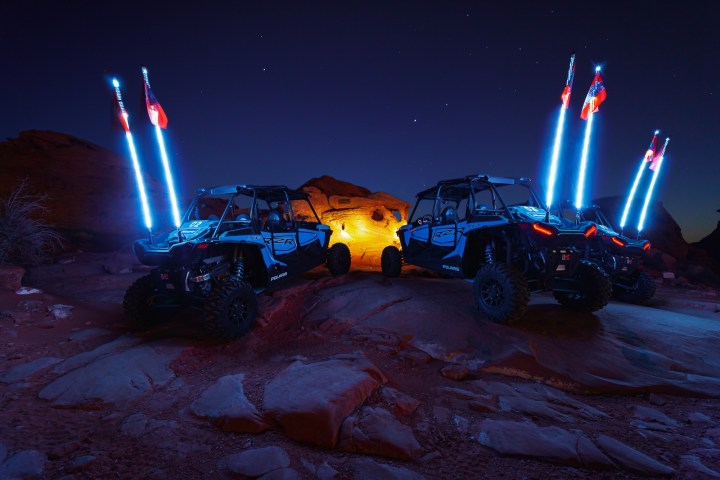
x: 542, y: 229
x: 618, y: 242
x: 646, y: 247
x: 590, y: 231
x: 203, y: 246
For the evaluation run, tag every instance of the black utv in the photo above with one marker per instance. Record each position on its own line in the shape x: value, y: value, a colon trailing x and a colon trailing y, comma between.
x: 619, y: 255
x: 234, y: 242
x: 495, y: 232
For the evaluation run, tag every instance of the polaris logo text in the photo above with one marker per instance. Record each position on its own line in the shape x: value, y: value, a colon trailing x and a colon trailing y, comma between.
x: 278, y: 276
x: 450, y: 267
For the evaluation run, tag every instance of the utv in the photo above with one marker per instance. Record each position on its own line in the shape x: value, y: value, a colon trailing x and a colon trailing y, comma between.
x: 615, y: 253
x: 234, y: 242
x: 496, y: 232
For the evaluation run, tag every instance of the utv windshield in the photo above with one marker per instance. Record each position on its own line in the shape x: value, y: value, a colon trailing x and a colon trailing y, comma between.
x: 496, y: 197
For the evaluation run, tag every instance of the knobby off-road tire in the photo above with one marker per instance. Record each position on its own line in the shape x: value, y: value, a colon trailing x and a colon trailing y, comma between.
x: 501, y: 293
x: 593, y: 289
x: 338, y: 259
x: 643, y: 292
x: 391, y: 262
x: 231, y: 310
x: 138, y: 303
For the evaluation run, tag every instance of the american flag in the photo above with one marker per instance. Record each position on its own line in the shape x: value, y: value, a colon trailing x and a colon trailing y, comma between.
x: 155, y: 111
x: 565, y: 97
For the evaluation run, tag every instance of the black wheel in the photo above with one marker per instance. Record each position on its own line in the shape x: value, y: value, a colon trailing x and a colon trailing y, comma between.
x: 391, y: 261
x: 231, y: 310
x: 593, y: 289
x: 642, y: 293
x: 138, y: 302
x: 501, y: 293
x: 338, y: 259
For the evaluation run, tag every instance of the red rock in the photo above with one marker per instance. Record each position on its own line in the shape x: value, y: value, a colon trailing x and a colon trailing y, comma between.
x: 11, y: 277
x: 400, y: 402
x: 631, y: 459
x: 226, y: 406
x: 547, y: 443
x: 376, y: 431
x: 310, y: 402
x: 455, y: 372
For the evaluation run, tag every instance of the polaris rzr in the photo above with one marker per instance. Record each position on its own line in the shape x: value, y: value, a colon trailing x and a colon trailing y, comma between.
x: 620, y: 256
x: 495, y: 232
x: 234, y: 242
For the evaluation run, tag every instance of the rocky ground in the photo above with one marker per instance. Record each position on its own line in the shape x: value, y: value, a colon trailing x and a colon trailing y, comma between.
x: 354, y: 377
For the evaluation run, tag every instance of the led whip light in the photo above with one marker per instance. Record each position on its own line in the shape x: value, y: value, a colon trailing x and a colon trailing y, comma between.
x: 655, y: 165
x: 565, y: 97
x: 649, y: 156
x: 133, y: 155
x: 595, y: 96
x: 159, y: 119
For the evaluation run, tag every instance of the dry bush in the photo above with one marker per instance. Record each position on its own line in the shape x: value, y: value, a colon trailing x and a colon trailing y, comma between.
x: 25, y: 238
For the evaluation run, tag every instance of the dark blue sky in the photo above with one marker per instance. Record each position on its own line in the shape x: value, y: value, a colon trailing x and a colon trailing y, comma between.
x: 392, y: 96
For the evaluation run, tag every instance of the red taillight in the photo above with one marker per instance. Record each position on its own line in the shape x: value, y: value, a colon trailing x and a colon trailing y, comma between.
x: 203, y: 246
x: 590, y: 231
x: 646, y: 247
x: 539, y: 228
x: 618, y: 242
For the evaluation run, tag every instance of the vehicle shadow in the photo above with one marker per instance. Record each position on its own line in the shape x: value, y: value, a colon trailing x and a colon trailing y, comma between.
x: 558, y: 321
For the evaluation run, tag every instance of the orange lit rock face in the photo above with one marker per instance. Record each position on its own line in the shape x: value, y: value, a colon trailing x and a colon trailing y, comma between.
x: 366, y: 222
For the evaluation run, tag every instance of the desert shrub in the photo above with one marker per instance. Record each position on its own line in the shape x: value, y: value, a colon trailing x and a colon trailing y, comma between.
x: 25, y: 238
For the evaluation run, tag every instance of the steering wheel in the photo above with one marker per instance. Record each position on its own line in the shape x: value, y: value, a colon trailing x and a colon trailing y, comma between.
x: 427, y: 218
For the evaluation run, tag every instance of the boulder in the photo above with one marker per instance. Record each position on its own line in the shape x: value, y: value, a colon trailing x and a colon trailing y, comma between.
x: 227, y: 407
x: 256, y: 462
x: 24, y: 464
x: 630, y: 459
x: 366, y: 222
x: 376, y: 431
x: 311, y: 401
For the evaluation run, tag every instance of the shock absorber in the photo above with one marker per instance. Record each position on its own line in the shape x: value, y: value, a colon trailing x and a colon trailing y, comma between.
x: 489, y: 253
x: 238, y: 267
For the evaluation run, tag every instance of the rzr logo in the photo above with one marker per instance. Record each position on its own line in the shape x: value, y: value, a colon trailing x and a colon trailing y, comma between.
x: 280, y: 241
x: 443, y: 233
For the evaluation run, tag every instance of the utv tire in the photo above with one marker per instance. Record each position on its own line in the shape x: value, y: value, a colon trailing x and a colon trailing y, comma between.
x: 338, y: 259
x: 593, y: 289
x: 501, y: 293
x: 231, y: 310
x: 643, y: 292
x: 391, y: 262
x: 138, y: 302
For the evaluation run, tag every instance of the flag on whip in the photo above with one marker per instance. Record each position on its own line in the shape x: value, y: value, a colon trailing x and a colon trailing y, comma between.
x: 155, y: 111
x: 652, y: 149
x: 565, y: 97
x: 596, y: 95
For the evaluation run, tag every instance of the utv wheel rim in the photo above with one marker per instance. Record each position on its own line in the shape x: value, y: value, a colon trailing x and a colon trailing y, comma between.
x: 238, y: 312
x: 492, y: 294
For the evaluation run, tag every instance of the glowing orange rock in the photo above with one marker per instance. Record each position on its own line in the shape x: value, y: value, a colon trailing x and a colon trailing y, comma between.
x: 366, y: 222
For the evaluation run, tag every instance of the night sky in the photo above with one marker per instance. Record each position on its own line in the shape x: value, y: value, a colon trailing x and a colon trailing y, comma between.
x: 392, y: 96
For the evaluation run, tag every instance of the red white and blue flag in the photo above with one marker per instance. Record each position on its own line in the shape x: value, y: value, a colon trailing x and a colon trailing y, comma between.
x: 565, y: 97
x: 652, y: 149
x: 596, y: 95
x: 155, y: 111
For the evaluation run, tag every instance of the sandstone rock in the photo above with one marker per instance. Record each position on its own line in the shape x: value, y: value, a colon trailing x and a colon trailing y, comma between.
x: 11, y: 276
x: 366, y: 468
x: 21, y: 373
x: 366, y: 222
x: 648, y: 414
x: 256, y: 462
x: 400, y: 402
x: 96, y: 207
x: 311, y: 401
x: 630, y: 459
x: 24, y: 464
x: 81, y: 463
x: 455, y: 372
x: 227, y: 407
x: 547, y: 443
x: 695, y: 464
x: 700, y: 418
x: 376, y: 431
x: 116, y: 378
x: 134, y: 425
x: 281, y: 474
